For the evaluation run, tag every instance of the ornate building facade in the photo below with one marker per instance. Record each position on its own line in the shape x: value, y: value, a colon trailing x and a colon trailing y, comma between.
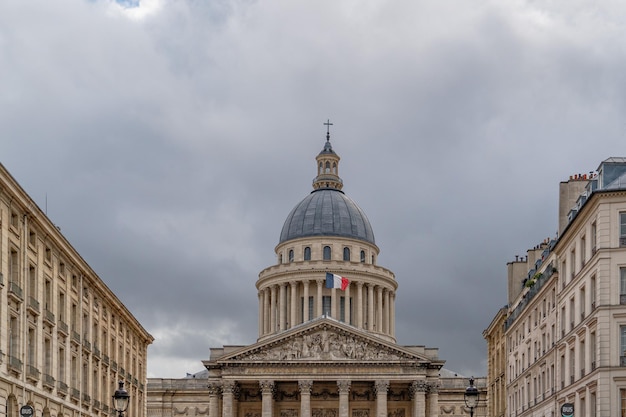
x: 65, y: 338
x: 321, y: 351
x: 565, y: 325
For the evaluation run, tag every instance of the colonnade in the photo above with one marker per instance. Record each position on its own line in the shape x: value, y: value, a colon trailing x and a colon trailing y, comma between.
x: 424, y: 397
x: 285, y: 305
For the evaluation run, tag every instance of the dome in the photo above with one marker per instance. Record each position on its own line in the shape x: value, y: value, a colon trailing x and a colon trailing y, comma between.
x: 327, y: 212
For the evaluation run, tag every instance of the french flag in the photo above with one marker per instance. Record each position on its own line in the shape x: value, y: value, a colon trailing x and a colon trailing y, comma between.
x: 336, y: 281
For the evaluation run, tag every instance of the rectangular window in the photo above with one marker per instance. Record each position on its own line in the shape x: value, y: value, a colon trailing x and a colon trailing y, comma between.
x: 583, y: 251
x: 622, y: 285
x: 310, y: 307
x: 342, y: 309
x: 622, y: 229
x: 326, y: 305
x: 622, y: 395
x: 622, y: 342
x: 592, y: 290
x: 593, y: 237
x: 14, y: 267
x: 61, y: 359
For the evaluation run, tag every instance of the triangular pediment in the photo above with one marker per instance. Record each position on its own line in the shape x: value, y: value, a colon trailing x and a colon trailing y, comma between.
x: 325, y: 340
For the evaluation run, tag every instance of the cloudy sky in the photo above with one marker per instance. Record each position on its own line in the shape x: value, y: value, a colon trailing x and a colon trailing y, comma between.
x: 169, y: 139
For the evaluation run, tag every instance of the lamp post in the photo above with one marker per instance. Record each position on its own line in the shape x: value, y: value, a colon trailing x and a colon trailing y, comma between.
x: 471, y: 396
x: 120, y: 400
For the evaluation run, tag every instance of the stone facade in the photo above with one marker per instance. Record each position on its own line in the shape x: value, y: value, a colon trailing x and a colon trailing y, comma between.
x: 65, y: 338
x: 321, y: 351
x: 565, y: 330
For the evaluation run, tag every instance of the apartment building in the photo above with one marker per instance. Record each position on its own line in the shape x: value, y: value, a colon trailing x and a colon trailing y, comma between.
x: 65, y: 338
x: 565, y: 330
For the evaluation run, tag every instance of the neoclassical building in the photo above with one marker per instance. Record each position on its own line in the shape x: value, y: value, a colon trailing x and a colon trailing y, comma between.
x: 321, y: 351
x: 65, y: 338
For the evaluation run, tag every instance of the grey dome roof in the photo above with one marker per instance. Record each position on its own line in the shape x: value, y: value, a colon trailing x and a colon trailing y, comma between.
x: 327, y: 212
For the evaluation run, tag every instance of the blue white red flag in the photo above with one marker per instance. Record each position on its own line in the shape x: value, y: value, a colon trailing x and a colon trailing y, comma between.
x: 336, y: 281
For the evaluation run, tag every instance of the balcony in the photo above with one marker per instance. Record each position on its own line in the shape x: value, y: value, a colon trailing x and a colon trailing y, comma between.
x: 114, y: 365
x: 15, y: 292
x: 96, y: 404
x: 105, y: 408
x: 96, y: 352
x: 62, y: 328
x: 86, y: 344
x: 122, y: 371
x: 75, y: 393
x: 48, y: 381
x: 48, y: 317
x: 62, y: 387
x: 105, y: 359
x: 33, y: 306
x: 15, y: 364
x: 32, y: 373
x: 86, y: 399
x: 75, y: 337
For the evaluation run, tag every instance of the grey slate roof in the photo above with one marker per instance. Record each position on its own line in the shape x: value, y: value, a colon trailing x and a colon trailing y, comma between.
x: 327, y: 212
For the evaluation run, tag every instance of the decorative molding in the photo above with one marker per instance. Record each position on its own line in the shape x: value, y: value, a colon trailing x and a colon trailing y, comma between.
x: 344, y: 386
x: 360, y: 412
x: 267, y: 386
x: 381, y: 387
x: 325, y: 412
x: 289, y: 412
x: 396, y: 412
x: 305, y: 386
x: 418, y: 386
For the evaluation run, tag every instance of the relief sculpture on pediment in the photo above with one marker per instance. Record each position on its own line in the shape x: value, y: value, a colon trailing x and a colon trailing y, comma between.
x: 324, y: 345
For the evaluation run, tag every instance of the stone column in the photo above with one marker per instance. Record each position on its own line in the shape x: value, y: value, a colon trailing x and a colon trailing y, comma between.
x: 320, y: 285
x: 273, y: 307
x: 370, y: 306
x: 385, y: 328
x: 433, y: 399
x: 347, y: 313
x: 359, y: 305
x: 305, y: 296
x: 344, y: 405
x: 267, y: 400
x: 266, y: 311
x: 379, y: 309
x: 392, y: 313
x: 260, y: 296
x: 293, y: 285
x: 305, y: 397
x: 417, y: 390
x: 229, y: 389
x: 282, y: 303
x: 214, y: 398
x: 380, y: 388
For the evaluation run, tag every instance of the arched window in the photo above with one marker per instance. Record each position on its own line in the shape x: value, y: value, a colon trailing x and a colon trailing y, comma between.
x: 373, y: 260
x: 362, y: 256
x: 307, y: 253
x: 334, y: 168
x: 346, y: 254
x: 327, y: 167
x: 290, y: 255
x: 280, y: 258
x: 321, y: 168
x: 327, y: 253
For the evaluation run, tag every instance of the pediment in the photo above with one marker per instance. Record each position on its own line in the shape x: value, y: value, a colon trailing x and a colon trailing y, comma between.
x: 325, y: 340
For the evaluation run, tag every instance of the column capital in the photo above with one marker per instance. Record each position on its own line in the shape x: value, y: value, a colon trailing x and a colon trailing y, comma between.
x: 344, y: 386
x: 267, y: 386
x: 293, y: 283
x: 359, y: 284
x: 231, y: 387
x: 320, y: 282
x: 419, y: 386
x: 305, y: 386
x: 381, y: 387
x: 433, y: 387
x: 215, y: 387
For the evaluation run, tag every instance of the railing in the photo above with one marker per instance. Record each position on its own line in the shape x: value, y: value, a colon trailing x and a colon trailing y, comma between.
x: 62, y: 387
x: 15, y: 364
x: 105, y: 359
x: 114, y: 365
x: 96, y: 404
x: 86, y: 344
x: 49, y: 316
x: 32, y: 372
x: 75, y: 336
x: 16, y: 291
x: 33, y: 305
x: 63, y: 327
x: 86, y: 398
x: 48, y: 380
x: 96, y: 352
x: 75, y: 393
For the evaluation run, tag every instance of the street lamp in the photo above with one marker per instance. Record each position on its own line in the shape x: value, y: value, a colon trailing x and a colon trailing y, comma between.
x: 471, y: 396
x: 120, y: 400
